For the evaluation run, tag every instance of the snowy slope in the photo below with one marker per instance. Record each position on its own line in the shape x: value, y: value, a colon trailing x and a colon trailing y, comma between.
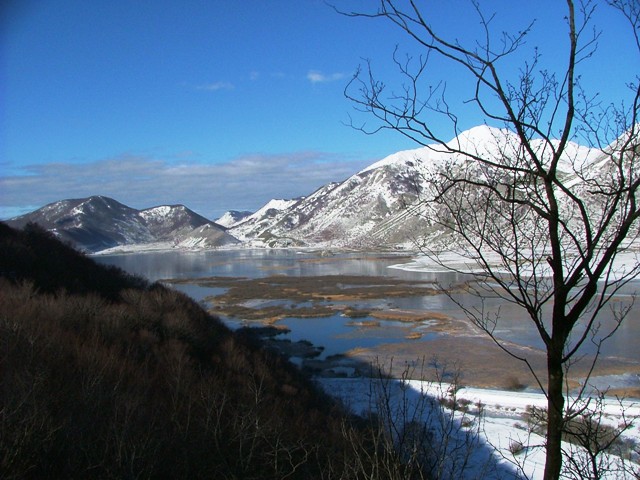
x: 98, y: 223
x: 370, y: 208
x: 166, y: 221
x: 254, y: 228
x: 92, y: 223
x: 232, y: 217
x: 490, y: 440
x: 339, y: 214
x: 205, y: 236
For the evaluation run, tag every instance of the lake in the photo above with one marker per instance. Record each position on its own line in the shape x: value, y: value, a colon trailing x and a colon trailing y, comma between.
x: 333, y: 333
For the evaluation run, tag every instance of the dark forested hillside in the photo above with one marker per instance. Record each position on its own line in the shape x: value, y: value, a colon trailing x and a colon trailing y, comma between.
x: 103, y: 375
x: 35, y: 255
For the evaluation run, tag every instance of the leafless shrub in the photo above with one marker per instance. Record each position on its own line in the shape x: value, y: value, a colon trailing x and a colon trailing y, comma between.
x: 142, y: 383
x: 417, y: 435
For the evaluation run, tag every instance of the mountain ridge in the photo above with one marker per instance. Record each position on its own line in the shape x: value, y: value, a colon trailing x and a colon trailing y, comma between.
x: 381, y: 206
x: 385, y: 205
x: 97, y: 223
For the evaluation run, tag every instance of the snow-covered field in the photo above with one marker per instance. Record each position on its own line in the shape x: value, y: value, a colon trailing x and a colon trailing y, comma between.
x: 486, y: 435
x: 624, y: 263
x: 489, y: 437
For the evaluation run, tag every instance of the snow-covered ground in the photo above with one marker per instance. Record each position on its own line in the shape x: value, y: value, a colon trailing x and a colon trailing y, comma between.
x: 137, y: 248
x: 486, y: 436
x: 159, y: 247
x: 504, y: 447
x: 623, y: 264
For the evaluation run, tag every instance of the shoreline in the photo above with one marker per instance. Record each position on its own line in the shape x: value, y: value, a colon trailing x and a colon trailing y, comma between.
x: 456, y: 343
x: 429, y: 333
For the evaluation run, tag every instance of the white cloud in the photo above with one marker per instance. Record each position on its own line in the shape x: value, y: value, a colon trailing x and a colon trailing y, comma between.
x: 257, y: 75
x: 243, y: 183
x: 216, y: 86
x: 316, y: 76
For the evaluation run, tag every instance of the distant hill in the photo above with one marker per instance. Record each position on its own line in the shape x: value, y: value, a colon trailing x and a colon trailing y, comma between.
x: 232, y: 217
x: 97, y: 223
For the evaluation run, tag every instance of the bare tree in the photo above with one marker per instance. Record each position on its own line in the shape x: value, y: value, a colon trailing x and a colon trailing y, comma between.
x: 544, y: 224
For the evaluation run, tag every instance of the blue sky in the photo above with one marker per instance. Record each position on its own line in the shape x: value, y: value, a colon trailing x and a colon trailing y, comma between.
x: 214, y: 104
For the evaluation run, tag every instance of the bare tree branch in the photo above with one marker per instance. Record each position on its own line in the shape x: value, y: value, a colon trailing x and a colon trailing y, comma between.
x: 543, y: 224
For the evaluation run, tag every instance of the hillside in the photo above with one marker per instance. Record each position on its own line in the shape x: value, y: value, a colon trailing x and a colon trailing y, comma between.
x: 387, y: 204
x: 97, y: 223
x: 107, y: 376
x: 232, y: 217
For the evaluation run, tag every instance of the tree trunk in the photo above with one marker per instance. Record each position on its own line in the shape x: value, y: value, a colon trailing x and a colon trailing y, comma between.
x: 555, y: 416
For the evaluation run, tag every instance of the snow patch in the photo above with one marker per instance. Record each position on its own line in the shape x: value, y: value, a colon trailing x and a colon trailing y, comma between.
x: 491, y: 426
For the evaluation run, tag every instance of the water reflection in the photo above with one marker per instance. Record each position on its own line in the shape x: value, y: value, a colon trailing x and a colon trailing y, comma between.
x: 251, y: 264
x: 333, y: 332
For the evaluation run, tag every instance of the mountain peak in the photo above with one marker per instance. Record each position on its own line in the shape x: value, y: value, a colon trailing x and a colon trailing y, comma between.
x: 482, y: 134
x: 402, y: 158
x: 367, y: 210
x: 97, y: 223
x: 232, y: 217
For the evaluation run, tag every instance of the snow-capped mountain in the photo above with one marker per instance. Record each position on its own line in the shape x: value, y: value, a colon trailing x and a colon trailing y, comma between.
x: 384, y: 204
x: 208, y: 235
x: 366, y: 210
x: 168, y: 220
x: 97, y: 223
x: 232, y: 217
x: 253, y: 228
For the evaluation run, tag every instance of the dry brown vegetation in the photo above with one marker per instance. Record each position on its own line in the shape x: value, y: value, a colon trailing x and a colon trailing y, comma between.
x: 105, y: 376
x: 323, y: 287
x: 307, y: 297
